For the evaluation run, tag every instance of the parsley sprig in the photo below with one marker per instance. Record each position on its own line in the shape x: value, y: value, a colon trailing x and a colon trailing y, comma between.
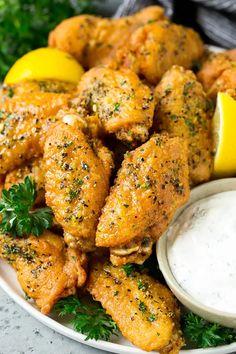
x: 18, y: 217
x: 25, y: 24
x: 203, y: 334
x: 150, y: 266
x: 88, y: 319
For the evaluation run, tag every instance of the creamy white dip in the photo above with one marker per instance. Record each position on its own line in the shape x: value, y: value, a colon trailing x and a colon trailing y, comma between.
x: 202, y: 251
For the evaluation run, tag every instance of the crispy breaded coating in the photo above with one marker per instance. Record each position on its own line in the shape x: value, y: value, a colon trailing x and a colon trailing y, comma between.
x: 226, y: 82
x: 36, y: 88
x: 34, y: 169
x: 136, y: 251
x: 214, y: 66
x: 153, y: 48
x: 146, y: 15
x: 27, y: 111
x: 110, y: 35
x: 46, y: 269
x: 93, y: 40
x: 144, y: 42
x: 90, y: 125
x: 123, y: 104
x: 151, y: 184
x: 77, y: 182
x: 182, y: 109
x: 145, y: 311
x: 73, y: 35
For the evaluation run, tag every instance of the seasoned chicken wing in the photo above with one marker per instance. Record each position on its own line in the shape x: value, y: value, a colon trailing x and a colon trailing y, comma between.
x: 144, y: 42
x: 214, y: 66
x: 77, y: 182
x: 27, y: 111
x: 46, y: 269
x: 153, y: 48
x: 145, y: 311
x: 182, y: 110
x: 110, y: 35
x: 151, y: 184
x: 93, y: 40
x: 73, y: 35
x: 226, y: 82
x: 34, y: 169
x: 146, y: 15
x: 123, y: 104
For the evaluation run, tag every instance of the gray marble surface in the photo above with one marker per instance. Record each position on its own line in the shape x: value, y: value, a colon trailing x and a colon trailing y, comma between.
x: 22, y: 334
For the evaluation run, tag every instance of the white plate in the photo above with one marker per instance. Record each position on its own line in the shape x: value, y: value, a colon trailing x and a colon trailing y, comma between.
x: 9, y: 283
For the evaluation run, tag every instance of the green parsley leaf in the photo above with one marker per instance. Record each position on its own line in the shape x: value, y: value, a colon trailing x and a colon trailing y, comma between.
x: 10, y: 92
x: 190, y: 126
x: 27, y: 297
x: 142, y: 286
x: 150, y: 266
x: 142, y: 307
x: 116, y: 107
x: 151, y: 318
x: 203, y: 334
x: 129, y: 268
x: 88, y: 319
x: 18, y: 218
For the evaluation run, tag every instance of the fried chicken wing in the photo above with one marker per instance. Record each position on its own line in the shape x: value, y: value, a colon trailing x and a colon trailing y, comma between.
x: 123, y: 104
x: 93, y: 40
x: 151, y: 184
x: 214, y: 66
x: 226, y: 82
x: 77, y: 182
x: 145, y: 311
x: 110, y: 35
x: 73, y: 35
x: 145, y: 42
x: 46, y: 269
x: 146, y: 15
x: 182, y: 110
x: 153, y: 48
x: 27, y: 111
x: 34, y: 169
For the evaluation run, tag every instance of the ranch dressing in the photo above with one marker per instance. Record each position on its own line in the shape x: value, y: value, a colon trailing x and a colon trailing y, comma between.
x: 202, y: 251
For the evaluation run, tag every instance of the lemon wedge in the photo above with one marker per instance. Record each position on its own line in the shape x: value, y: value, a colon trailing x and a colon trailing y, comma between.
x: 45, y: 63
x: 224, y: 136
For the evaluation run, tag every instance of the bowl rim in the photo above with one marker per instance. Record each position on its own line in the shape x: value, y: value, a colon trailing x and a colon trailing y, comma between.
x: 200, y: 192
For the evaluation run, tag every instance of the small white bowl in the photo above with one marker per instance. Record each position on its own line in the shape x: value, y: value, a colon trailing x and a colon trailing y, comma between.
x: 200, y: 192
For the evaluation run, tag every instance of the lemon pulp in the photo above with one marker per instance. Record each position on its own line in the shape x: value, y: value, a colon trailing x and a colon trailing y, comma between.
x: 45, y: 63
x: 224, y: 136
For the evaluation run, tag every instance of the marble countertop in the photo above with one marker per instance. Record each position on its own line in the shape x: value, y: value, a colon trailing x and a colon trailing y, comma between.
x: 22, y: 334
